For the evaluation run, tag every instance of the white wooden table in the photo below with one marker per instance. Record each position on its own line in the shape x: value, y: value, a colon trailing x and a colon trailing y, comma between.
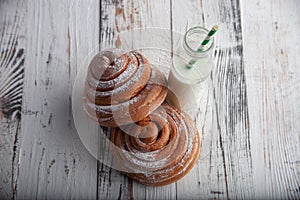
x: 254, y: 141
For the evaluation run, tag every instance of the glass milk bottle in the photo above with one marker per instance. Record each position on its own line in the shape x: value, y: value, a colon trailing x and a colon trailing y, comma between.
x: 186, y: 82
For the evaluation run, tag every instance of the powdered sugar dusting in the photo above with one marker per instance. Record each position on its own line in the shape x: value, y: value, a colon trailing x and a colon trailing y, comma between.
x: 154, y: 170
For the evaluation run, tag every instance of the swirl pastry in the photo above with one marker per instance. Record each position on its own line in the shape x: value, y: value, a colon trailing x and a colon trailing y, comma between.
x: 158, y: 150
x: 122, y: 90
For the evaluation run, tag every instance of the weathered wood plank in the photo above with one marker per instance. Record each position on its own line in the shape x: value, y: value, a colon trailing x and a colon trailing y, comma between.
x: 226, y: 166
x: 207, y: 178
x: 130, y: 15
x: 133, y: 15
x: 271, y: 49
x: 12, y: 56
x: 230, y: 99
x: 111, y: 183
x: 54, y: 164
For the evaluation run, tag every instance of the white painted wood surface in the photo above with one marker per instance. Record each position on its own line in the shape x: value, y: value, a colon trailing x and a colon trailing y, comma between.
x: 273, y: 85
x: 250, y: 134
x: 12, y: 45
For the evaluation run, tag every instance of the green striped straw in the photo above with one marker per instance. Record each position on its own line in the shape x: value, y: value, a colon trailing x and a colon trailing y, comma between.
x: 203, y: 44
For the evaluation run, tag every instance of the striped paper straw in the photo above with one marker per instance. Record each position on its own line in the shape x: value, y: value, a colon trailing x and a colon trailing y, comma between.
x: 208, y: 38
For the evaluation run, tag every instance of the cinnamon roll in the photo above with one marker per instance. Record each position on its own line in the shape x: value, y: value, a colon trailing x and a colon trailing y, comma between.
x: 158, y: 150
x: 122, y: 89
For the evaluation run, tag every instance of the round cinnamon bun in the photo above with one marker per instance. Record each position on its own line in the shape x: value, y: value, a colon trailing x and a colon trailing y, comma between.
x: 158, y: 150
x: 122, y: 89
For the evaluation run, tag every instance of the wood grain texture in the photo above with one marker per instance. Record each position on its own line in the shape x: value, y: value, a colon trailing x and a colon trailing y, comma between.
x: 271, y: 50
x: 54, y: 164
x: 111, y: 183
x: 129, y: 16
x: 197, y: 184
x: 227, y: 162
x: 145, y: 14
x: 231, y: 106
x: 12, y: 56
x: 250, y: 138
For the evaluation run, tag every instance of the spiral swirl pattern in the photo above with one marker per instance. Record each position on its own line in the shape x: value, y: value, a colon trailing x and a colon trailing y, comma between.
x: 122, y: 90
x: 158, y: 150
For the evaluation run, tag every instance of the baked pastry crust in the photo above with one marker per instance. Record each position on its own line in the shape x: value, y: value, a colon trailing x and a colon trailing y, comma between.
x: 122, y: 90
x: 158, y: 150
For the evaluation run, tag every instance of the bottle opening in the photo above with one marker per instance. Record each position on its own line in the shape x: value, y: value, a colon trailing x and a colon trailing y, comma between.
x: 193, y: 39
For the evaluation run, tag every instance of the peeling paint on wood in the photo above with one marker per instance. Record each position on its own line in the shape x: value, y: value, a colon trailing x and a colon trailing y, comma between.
x: 248, y: 123
x: 12, y: 57
x: 53, y: 163
x: 272, y: 77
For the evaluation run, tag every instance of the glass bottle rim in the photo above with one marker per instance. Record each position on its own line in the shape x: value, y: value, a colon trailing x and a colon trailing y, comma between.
x: 203, y: 30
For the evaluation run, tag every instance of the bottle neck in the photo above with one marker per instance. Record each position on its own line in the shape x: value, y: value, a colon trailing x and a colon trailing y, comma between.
x: 192, y: 40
